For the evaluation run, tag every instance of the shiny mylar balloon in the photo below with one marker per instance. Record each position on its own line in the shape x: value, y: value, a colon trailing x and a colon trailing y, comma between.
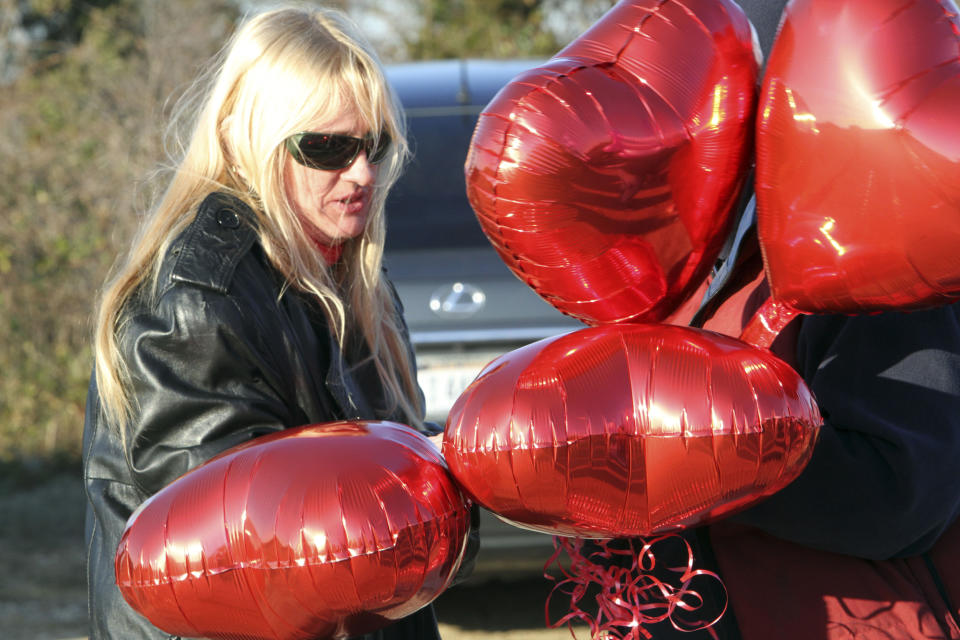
x: 628, y: 430
x: 858, y: 156
x: 323, y: 531
x: 605, y: 178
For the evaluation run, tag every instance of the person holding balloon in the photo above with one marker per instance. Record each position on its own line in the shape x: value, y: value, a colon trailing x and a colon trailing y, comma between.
x: 615, y: 181
x: 865, y: 543
x: 253, y: 299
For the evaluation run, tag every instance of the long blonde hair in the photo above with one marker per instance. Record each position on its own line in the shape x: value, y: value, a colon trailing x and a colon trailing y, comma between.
x: 279, y: 71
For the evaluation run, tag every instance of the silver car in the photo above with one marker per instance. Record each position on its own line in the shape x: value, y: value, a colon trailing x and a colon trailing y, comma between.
x: 464, y: 307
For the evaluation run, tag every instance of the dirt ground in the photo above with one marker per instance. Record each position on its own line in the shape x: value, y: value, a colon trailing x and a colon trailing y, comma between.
x: 43, y: 595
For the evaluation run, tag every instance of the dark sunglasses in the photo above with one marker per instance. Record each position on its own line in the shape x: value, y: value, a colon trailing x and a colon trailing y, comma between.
x: 335, y: 151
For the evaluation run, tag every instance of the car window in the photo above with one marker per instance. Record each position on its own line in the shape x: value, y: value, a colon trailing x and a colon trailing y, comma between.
x: 428, y: 207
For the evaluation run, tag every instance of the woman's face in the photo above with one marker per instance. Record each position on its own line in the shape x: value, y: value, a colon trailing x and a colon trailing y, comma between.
x: 332, y: 205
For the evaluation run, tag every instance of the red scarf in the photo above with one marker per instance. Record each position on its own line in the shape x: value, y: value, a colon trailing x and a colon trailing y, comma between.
x: 331, y: 252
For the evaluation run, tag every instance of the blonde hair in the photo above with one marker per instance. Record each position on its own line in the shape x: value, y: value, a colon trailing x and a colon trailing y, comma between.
x: 279, y: 71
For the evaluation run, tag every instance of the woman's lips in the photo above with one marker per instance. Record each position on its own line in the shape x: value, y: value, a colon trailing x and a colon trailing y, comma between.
x: 354, y: 203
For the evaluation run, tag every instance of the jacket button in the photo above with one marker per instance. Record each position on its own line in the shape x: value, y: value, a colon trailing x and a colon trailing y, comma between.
x: 228, y: 218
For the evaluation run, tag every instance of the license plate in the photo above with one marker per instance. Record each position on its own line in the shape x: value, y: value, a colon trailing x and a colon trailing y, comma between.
x: 443, y: 381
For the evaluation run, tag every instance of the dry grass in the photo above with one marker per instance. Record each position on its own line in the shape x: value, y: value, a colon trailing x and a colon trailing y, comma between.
x: 79, y: 132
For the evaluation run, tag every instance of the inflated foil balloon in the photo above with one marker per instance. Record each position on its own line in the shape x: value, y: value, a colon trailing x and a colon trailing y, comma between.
x: 324, y: 531
x: 629, y: 430
x: 605, y: 179
x: 858, y: 156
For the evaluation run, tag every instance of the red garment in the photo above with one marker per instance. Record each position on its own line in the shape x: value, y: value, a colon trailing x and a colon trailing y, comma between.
x: 784, y: 591
x: 331, y: 253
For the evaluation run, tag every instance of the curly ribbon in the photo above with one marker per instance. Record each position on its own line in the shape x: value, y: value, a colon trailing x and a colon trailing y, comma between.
x: 631, y: 591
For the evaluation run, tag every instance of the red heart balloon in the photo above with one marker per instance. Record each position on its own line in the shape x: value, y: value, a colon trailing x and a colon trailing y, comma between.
x: 317, y: 532
x: 858, y: 156
x: 605, y: 179
x: 629, y: 430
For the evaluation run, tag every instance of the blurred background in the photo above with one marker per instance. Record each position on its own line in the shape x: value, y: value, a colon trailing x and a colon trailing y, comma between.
x: 85, y: 91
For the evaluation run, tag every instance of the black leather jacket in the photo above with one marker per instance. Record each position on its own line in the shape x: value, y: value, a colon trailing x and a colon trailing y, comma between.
x: 217, y: 356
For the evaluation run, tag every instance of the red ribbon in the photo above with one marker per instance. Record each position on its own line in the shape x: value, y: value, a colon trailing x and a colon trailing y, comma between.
x: 630, y: 595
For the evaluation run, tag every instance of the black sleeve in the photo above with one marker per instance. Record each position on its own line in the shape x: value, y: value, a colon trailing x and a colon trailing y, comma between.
x: 200, y: 383
x: 883, y: 480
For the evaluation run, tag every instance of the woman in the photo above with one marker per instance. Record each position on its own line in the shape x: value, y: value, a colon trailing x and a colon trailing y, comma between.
x: 253, y: 299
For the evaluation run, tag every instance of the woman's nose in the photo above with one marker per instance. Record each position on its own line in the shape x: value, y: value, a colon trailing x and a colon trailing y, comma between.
x: 361, y: 171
